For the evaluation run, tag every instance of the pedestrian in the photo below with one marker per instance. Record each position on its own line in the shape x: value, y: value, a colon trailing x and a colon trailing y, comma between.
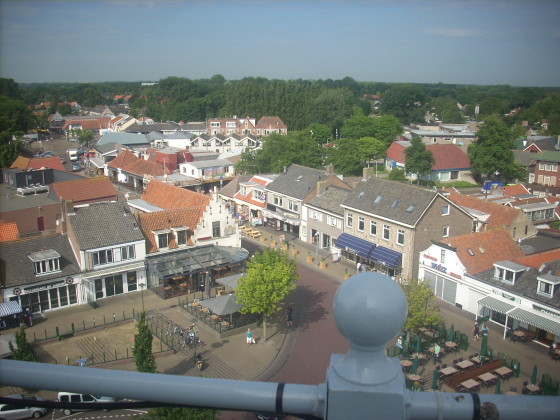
x: 30, y: 316
x: 484, y: 330
x: 289, y: 315
x: 250, y: 339
x: 476, y: 331
x: 437, y: 349
x: 358, y: 267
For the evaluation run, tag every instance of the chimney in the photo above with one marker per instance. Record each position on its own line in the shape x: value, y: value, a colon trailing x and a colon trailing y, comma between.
x: 366, y: 173
x: 321, y: 187
x: 330, y: 168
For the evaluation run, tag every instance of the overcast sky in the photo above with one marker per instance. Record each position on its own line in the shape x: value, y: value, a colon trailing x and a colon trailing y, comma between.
x: 466, y: 42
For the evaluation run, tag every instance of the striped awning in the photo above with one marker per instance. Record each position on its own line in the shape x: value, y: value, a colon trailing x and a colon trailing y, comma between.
x: 536, y: 320
x: 386, y: 256
x: 9, y: 308
x: 355, y: 245
x: 495, y: 304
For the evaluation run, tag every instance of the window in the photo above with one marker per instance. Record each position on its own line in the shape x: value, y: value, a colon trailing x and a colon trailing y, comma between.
x: 545, y: 288
x: 216, y: 229
x: 445, y: 210
x: 445, y: 231
x: 293, y: 205
x: 333, y: 221
x: 132, y: 281
x: 349, y: 220
x: 214, y: 124
x: 107, y: 256
x: 163, y: 240
x: 400, y: 236
x: 181, y: 237
x: 506, y: 275
x: 230, y: 124
x: 442, y: 256
x: 373, y: 228
x: 361, y: 224
x: 278, y: 201
x: 386, y: 232
x: 47, y: 266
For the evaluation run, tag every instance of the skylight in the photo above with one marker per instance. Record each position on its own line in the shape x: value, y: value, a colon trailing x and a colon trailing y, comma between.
x: 471, y: 253
x: 361, y: 194
x: 378, y: 199
x: 395, y: 203
x: 409, y: 209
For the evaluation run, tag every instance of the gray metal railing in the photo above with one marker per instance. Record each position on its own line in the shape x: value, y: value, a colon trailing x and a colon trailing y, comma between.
x: 369, y: 310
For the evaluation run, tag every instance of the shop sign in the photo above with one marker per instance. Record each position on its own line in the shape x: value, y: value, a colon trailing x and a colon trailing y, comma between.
x: 439, y: 267
x: 44, y: 286
x: 457, y: 276
x: 546, y: 311
x: 429, y: 257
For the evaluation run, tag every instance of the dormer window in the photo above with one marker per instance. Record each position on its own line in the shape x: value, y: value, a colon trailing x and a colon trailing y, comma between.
x: 546, y: 284
x: 180, y: 234
x: 508, y: 271
x: 45, y: 262
x: 162, y: 237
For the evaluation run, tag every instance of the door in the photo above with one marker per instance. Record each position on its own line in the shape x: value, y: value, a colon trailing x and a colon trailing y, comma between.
x: 40, y: 223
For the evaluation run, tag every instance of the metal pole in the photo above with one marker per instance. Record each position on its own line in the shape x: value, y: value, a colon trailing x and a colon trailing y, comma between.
x: 317, y: 248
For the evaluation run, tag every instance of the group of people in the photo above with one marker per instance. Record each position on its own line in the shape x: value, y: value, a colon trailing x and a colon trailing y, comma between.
x: 479, y: 330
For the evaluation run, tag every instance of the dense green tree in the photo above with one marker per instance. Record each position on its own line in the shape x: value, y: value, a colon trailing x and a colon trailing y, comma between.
x: 407, y: 102
x: 270, y: 276
x: 447, y: 110
x: 344, y: 157
x: 15, y: 116
x: 9, y: 149
x: 422, y: 310
x: 9, y: 88
x: 419, y: 160
x: 182, y: 413
x: 64, y: 109
x: 332, y: 108
x: 85, y: 137
x: 22, y: 349
x: 145, y: 360
x: 491, y: 153
x: 320, y: 133
x: 370, y: 149
x: 386, y: 128
x: 397, y: 174
x: 358, y: 125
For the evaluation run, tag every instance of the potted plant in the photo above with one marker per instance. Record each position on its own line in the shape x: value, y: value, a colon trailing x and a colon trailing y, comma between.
x: 309, y: 257
x: 346, y: 274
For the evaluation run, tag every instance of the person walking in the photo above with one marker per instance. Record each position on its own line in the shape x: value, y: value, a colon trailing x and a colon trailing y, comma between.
x: 484, y: 329
x: 289, y: 315
x: 437, y: 349
x: 476, y: 331
x: 250, y: 339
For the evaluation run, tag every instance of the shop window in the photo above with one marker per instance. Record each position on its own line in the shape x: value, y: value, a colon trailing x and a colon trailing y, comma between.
x: 216, y: 229
x: 99, y: 294
x: 132, y: 281
x: 113, y: 285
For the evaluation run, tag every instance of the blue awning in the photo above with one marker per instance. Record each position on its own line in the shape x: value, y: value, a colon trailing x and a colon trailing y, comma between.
x: 355, y: 245
x: 390, y: 258
x: 9, y: 308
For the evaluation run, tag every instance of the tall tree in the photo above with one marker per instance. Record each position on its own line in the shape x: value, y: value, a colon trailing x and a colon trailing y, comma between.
x: 370, y: 149
x: 407, y: 102
x: 85, y: 137
x: 358, y: 125
x: 419, y: 160
x: 22, y: 350
x: 145, y: 360
x: 386, y: 128
x: 270, y: 276
x: 422, y: 310
x: 342, y: 155
x: 491, y: 153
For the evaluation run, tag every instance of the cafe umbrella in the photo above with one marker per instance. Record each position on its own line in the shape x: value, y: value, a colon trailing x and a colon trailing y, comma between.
x: 498, y: 391
x: 435, y: 377
x: 483, y: 349
x: 419, y: 344
x: 534, y: 375
x: 222, y: 305
x: 452, y: 333
x: 415, y: 364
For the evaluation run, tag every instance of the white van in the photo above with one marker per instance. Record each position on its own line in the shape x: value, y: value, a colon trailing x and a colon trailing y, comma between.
x: 81, y: 398
x: 73, y: 155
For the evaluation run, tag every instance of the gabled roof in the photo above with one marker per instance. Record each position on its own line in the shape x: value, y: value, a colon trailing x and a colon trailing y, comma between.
x: 547, y: 156
x: 297, y: 182
x: 395, y: 152
x: 169, y: 196
x: 17, y: 269
x: 126, y: 139
x: 541, y: 144
x: 26, y: 164
x: 271, y: 122
x: 85, y: 190
x: 232, y: 187
x: 141, y: 167
x: 448, y: 156
x: 87, y: 123
x: 479, y: 251
x: 538, y: 259
x: 499, y: 215
x: 104, y: 224
x: 329, y: 201
x: 124, y: 158
x: 167, y: 219
x: 8, y: 231
x: 392, y: 200
x: 514, y: 190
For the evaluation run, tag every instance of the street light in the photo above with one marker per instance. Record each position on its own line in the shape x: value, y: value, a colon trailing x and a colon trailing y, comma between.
x: 142, y: 291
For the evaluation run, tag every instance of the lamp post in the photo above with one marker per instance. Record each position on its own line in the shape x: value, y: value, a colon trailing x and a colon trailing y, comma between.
x: 142, y: 291
x: 317, y: 248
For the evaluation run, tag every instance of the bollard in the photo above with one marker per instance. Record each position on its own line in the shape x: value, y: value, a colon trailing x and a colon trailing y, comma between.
x: 93, y: 322
x: 34, y: 336
x: 73, y: 330
x: 57, y: 333
x: 84, y: 323
x: 123, y: 315
x: 104, y: 320
x: 114, y: 318
x: 133, y: 313
x: 103, y: 357
x: 116, y: 354
x: 127, y: 352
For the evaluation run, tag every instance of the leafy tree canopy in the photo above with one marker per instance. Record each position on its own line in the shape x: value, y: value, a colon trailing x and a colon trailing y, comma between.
x: 342, y: 155
x: 397, y: 174
x: 422, y: 311
x: 370, y: 148
x: 145, y: 360
x: 358, y: 125
x: 386, y: 128
x: 407, y: 102
x: 22, y: 350
x: 419, y: 160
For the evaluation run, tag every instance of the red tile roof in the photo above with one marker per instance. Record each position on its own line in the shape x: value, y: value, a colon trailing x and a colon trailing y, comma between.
x: 124, y: 158
x: 395, y: 152
x: 8, y: 231
x: 271, y: 123
x: 486, y: 248
x: 538, y: 259
x: 24, y: 163
x: 517, y: 189
x: 87, y: 124
x: 499, y: 215
x: 87, y: 190
x: 448, y: 156
x: 167, y: 219
x: 169, y: 196
x: 143, y: 167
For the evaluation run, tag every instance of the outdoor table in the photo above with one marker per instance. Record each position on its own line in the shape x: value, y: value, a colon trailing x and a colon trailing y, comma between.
x: 487, y: 377
x: 475, y: 360
x: 224, y: 324
x: 532, y: 388
x: 205, y: 310
x: 465, y: 364
x: 406, y: 363
x: 450, y: 344
x: 214, y: 317
x: 519, y: 333
x: 448, y: 371
x: 414, y: 377
x: 470, y: 384
x: 503, y: 372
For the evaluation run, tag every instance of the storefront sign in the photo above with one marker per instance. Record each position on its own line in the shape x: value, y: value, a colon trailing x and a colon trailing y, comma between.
x: 44, y: 286
x: 506, y: 296
x: 429, y: 257
x: 546, y: 311
x: 439, y: 267
x: 457, y: 276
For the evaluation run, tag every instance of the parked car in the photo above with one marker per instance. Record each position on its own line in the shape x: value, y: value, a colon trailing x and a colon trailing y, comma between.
x: 76, y: 167
x: 14, y: 412
x: 81, y: 398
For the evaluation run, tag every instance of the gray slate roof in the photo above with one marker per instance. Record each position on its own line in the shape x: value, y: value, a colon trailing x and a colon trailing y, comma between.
x: 330, y: 200
x: 17, y: 269
x: 297, y: 182
x: 104, y: 224
x: 390, y: 199
x: 526, y: 285
x: 127, y: 139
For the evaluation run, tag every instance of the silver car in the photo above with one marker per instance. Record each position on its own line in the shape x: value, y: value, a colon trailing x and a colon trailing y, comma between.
x: 14, y: 412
